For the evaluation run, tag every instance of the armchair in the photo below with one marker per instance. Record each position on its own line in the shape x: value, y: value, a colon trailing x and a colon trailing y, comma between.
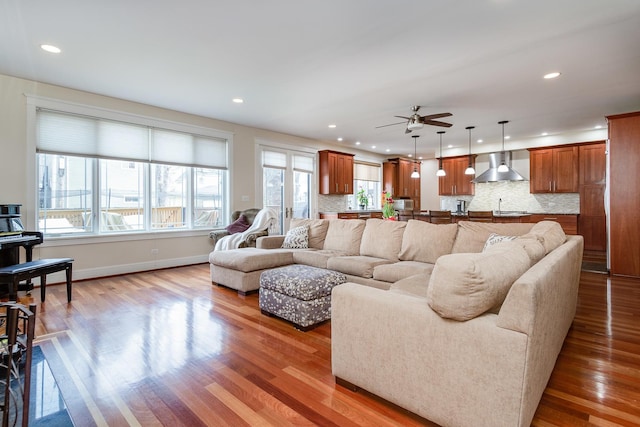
x: 250, y: 240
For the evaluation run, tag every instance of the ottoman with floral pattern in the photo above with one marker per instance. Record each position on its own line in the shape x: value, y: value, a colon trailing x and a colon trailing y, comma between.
x: 298, y: 293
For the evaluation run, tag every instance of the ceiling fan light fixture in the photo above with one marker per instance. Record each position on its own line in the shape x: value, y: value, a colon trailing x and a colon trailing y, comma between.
x: 441, y: 172
x: 414, y: 124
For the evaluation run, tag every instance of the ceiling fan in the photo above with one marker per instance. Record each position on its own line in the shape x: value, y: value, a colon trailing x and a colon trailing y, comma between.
x: 416, y: 121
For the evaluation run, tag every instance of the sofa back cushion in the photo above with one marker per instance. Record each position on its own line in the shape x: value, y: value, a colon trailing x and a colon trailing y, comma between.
x: 426, y: 242
x: 465, y: 285
x: 382, y: 238
x: 472, y: 236
x: 344, y: 235
x: 317, y: 230
x: 549, y: 233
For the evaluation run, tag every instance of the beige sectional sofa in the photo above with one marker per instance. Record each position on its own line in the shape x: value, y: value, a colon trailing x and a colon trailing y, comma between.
x: 449, y: 327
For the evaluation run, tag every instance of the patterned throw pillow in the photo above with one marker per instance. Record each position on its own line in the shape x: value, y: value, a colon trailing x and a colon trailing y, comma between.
x: 496, y: 238
x: 297, y: 238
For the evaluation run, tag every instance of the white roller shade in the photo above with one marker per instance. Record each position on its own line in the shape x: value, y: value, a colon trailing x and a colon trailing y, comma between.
x: 274, y: 159
x: 303, y: 163
x: 366, y: 172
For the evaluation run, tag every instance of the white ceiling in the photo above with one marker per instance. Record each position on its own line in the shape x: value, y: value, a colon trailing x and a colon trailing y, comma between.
x: 301, y: 65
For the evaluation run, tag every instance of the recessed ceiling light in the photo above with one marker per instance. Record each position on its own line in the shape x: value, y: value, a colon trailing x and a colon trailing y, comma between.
x: 598, y: 127
x: 388, y: 150
x: 420, y: 157
x: 238, y: 100
x: 507, y: 137
x: 410, y: 155
x: 552, y: 75
x: 544, y: 134
x: 340, y: 139
x: 480, y: 141
x: 357, y: 142
x: 373, y: 146
x: 50, y: 48
x: 332, y: 126
x: 449, y: 146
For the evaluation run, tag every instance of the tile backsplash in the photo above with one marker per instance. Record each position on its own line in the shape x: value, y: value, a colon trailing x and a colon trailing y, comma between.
x: 515, y: 197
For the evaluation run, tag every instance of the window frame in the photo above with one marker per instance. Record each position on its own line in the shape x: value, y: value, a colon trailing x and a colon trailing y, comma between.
x: 35, y: 102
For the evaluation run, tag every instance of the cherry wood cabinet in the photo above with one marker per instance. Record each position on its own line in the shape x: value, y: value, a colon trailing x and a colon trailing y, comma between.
x: 592, y: 223
x: 455, y: 182
x: 568, y: 222
x: 624, y: 194
x: 554, y: 169
x: 396, y: 179
x: 336, y: 172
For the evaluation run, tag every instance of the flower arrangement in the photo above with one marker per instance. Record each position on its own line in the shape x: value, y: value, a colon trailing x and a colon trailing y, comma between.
x: 363, y: 200
x: 387, y: 206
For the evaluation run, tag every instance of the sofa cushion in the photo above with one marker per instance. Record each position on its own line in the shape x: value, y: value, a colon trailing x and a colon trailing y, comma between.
x: 315, y: 258
x: 251, y: 259
x: 317, y: 230
x: 532, y: 246
x: 465, y: 285
x: 426, y: 242
x: 472, y: 236
x: 356, y: 265
x: 415, y: 285
x: 382, y: 239
x: 400, y: 270
x: 297, y: 238
x: 549, y: 233
x: 344, y: 235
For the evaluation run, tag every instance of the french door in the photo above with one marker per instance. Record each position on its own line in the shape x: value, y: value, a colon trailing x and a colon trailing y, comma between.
x: 287, y: 183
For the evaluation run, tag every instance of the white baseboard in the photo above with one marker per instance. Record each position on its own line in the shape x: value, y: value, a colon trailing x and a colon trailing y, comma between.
x: 114, y: 270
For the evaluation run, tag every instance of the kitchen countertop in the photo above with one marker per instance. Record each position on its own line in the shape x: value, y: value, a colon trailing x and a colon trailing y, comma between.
x: 508, y: 214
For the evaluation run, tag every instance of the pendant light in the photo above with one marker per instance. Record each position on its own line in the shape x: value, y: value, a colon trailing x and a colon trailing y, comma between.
x: 415, y: 173
x: 441, y: 171
x: 470, y: 170
x: 503, y: 165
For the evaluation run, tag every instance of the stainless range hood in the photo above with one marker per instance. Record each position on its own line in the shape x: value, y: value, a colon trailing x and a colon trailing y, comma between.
x: 492, y: 174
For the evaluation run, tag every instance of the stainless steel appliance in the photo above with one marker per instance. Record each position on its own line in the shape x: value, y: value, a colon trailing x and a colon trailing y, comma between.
x: 403, y: 205
x: 461, y: 207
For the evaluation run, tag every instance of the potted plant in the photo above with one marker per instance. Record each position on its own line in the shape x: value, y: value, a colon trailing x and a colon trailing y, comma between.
x: 363, y: 199
x: 387, y: 206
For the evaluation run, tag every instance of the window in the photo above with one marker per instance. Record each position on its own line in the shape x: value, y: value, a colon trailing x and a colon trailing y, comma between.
x: 100, y: 176
x: 366, y: 176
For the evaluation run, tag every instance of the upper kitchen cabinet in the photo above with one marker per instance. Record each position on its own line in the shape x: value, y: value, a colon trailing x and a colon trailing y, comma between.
x: 336, y: 172
x: 396, y: 179
x: 554, y: 170
x: 624, y: 194
x: 455, y: 182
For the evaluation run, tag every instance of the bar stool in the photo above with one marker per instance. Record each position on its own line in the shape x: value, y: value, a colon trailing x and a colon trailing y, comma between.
x: 440, y: 217
x: 480, y: 216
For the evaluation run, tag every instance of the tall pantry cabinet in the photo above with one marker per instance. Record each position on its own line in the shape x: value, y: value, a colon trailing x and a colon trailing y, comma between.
x: 624, y: 194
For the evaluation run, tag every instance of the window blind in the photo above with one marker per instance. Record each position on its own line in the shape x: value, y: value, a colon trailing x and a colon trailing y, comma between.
x: 366, y: 172
x: 274, y: 159
x: 71, y: 134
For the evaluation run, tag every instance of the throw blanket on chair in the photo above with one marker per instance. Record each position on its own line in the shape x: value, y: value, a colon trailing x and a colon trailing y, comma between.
x: 266, y: 218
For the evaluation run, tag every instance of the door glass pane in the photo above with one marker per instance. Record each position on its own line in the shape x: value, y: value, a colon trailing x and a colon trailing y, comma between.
x: 301, y: 196
x: 121, y: 195
x: 64, y: 194
x: 168, y: 196
x: 273, y: 185
x: 209, y: 197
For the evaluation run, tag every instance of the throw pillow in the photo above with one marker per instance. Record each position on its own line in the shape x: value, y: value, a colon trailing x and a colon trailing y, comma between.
x: 297, y: 238
x: 496, y: 238
x: 238, y: 226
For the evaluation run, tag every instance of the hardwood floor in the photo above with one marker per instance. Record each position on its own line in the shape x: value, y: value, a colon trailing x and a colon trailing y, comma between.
x: 168, y: 348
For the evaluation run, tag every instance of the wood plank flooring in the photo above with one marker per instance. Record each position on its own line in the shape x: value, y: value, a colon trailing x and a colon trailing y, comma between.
x: 168, y: 348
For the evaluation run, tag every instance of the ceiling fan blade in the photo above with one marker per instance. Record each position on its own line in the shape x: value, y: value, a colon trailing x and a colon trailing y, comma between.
x: 403, y: 117
x: 436, y: 116
x: 437, y: 123
x: 390, y: 124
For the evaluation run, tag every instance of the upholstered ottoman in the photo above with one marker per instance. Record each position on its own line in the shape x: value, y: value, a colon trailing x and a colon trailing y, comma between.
x: 298, y: 293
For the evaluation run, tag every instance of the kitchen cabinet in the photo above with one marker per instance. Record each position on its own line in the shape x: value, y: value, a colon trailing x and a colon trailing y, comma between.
x: 554, y: 169
x: 568, y: 222
x: 352, y: 215
x: 624, y: 194
x: 396, y: 179
x: 592, y: 223
x: 455, y: 182
x: 336, y: 172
